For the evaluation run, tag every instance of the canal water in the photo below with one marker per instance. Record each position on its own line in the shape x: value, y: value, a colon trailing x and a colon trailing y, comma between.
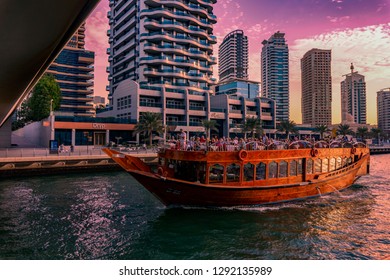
x: 110, y: 216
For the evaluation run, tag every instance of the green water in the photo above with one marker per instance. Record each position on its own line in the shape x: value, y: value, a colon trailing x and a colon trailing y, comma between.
x: 110, y: 216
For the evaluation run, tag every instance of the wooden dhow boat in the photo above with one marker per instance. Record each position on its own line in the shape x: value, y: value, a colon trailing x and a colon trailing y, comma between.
x: 225, y: 176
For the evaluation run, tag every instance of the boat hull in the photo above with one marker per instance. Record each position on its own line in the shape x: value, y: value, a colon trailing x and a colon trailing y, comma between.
x: 173, y: 192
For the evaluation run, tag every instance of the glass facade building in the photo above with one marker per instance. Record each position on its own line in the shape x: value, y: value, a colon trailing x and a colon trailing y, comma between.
x: 275, y: 74
x: 73, y: 70
x: 247, y: 89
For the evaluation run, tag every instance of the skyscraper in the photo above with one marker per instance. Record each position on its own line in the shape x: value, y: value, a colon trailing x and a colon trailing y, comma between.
x: 316, y: 87
x: 383, y: 106
x: 233, y: 57
x: 275, y: 74
x: 73, y: 70
x: 353, y: 98
x: 163, y: 46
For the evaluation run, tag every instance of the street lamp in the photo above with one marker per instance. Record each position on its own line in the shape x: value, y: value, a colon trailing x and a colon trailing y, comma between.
x: 117, y: 140
x: 51, y: 107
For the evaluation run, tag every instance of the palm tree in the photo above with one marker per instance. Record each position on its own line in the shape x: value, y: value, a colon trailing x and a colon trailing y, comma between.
x: 252, y: 125
x: 376, y: 132
x: 287, y: 127
x: 362, y: 131
x: 321, y: 129
x: 148, y: 123
x: 344, y: 129
x: 210, y: 125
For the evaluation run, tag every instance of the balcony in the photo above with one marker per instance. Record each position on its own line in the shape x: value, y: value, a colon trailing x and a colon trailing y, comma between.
x: 171, y: 106
x: 150, y: 104
x: 177, y: 123
x: 197, y: 108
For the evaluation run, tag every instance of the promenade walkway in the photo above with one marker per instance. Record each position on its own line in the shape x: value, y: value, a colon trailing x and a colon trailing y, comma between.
x: 15, y: 162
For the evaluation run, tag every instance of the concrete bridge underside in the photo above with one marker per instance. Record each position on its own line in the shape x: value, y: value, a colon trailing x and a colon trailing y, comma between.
x: 32, y: 34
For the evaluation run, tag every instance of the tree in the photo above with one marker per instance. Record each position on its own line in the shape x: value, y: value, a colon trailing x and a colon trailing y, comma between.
x: 210, y: 125
x: 321, y: 129
x: 252, y: 125
x: 46, y: 89
x: 287, y: 127
x: 376, y: 132
x: 362, y: 131
x: 344, y: 129
x: 22, y: 116
x: 148, y: 123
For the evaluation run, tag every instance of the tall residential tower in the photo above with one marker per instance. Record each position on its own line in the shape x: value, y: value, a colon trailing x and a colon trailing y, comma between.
x: 383, y: 106
x: 163, y: 46
x: 316, y: 87
x: 353, y: 98
x: 275, y: 74
x: 73, y: 70
x: 233, y: 57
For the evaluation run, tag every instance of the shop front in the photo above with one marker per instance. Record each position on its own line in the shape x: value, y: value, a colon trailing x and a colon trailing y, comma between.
x: 92, y: 134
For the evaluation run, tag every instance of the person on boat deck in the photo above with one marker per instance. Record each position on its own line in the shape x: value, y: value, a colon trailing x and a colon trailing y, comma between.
x: 191, y: 144
x: 202, y: 140
x: 183, y: 139
x: 241, y: 144
x: 265, y: 139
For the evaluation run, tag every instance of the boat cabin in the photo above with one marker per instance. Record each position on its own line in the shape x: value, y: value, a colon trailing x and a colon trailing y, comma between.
x: 263, y: 167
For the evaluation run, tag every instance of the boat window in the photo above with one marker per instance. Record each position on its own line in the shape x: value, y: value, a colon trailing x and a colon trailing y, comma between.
x: 299, y: 167
x: 233, y: 173
x: 282, y: 169
x: 216, y: 173
x: 273, y: 170
x: 332, y: 164
x: 317, y: 166
x: 293, y: 168
x: 325, y: 165
x: 309, y: 167
x: 202, y: 172
x: 338, y: 163
x: 260, y: 171
x: 349, y: 160
x: 249, y: 170
x: 161, y: 161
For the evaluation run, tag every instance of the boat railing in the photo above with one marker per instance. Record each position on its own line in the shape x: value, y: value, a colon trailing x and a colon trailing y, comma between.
x: 300, y: 144
x: 321, y: 144
x: 336, y: 144
x: 258, y: 146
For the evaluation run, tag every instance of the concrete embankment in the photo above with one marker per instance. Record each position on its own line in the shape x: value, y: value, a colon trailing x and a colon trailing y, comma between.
x: 380, y: 150
x: 61, y: 164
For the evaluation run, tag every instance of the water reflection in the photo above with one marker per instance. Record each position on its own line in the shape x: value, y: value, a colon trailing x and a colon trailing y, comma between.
x: 110, y: 216
x: 291, y: 231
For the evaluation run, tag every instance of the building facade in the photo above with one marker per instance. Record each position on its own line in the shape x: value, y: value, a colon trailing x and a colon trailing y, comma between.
x: 275, y: 74
x: 316, y: 87
x: 353, y: 98
x: 383, y: 109
x: 231, y: 110
x: 233, y: 57
x: 166, y: 48
x: 246, y: 88
x: 73, y: 70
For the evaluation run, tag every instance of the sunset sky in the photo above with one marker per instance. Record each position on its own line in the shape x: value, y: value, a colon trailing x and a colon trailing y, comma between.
x: 356, y: 31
